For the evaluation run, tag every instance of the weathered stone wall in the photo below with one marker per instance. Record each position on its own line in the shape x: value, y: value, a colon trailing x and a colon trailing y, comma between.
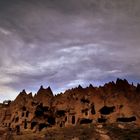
x: 112, y: 103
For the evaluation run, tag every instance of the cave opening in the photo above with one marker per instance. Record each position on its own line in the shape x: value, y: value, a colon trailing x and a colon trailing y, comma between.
x: 42, y: 125
x: 125, y: 119
x: 60, y: 113
x: 73, y: 119
x: 66, y: 118
x: 61, y: 124
x: 85, y: 111
x: 85, y: 121
x: 46, y: 108
x: 16, y: 119
x: 102, y: 120
x: 83, y: 100
x: 93, y: 112
x: 17, y: 129
x: 23, y: 108
x: 34, y: 103
x: 51, y: 120
x: 107, y: 110
x: 25, y: 124
x: 27, y: 114
x: 39, y: 111
x: 33, y: 124
x: 22, y: 114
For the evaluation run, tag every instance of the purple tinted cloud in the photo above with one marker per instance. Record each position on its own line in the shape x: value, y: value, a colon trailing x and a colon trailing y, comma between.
x: 66, y: 43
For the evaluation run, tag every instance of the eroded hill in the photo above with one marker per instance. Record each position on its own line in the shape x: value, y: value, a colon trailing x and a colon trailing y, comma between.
x: 114, y: 103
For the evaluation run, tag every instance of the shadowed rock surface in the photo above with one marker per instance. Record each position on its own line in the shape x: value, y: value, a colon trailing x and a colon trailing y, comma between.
x: 115, y: 102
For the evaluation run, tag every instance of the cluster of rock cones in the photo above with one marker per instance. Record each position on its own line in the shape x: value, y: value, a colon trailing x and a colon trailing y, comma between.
x: 115, y: 102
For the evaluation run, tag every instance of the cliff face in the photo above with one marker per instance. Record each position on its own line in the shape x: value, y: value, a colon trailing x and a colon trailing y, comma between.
x: 113, y: 103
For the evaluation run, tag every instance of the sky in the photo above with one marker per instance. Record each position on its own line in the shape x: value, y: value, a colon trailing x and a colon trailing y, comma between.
x: 64, y: 43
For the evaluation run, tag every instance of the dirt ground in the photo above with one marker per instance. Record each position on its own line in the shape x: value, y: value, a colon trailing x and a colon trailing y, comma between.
x: 80, y: 132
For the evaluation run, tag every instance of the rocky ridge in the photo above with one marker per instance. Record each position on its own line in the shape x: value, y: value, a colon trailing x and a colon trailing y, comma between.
x: 115, y: 102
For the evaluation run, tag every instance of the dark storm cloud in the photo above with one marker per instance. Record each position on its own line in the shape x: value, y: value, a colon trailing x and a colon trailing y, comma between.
x: 65, y: 43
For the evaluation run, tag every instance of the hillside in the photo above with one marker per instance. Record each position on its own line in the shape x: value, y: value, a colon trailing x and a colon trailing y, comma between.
x: 116, y: 104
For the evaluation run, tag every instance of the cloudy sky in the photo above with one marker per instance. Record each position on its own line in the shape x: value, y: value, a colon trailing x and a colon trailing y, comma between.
x: 64, y: 43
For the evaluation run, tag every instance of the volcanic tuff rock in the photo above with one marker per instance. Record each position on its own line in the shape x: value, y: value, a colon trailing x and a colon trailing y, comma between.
x: 114, y: 102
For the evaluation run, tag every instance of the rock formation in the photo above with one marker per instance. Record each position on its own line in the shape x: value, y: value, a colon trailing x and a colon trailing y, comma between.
x: 115, y: 102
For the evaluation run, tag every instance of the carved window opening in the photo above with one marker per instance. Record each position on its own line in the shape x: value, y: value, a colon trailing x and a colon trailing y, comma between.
x: 83, y: 100
x: 27, y: 114
x: 18, y: 129
x: 22, y: 114
x: 66, y: 118
x: 51, y: 120
x: 102, y: 120
x: 125, y: 119
x: 107, y: 110
x: 25, y: 124
x: 17, y: 119
x: 33, y: 124
x: 85, y: 121
x: 73, y: 119
x: 42, y: 125
x: 93, y: 109
x: 60, y: 113
x: 23, y: 108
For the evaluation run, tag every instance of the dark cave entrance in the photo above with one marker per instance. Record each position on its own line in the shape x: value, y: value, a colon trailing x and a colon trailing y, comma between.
x: 39, y: 111
x: 46, y: 108
x: 83, y: 100
x: 125, y: 119
x: 66, y: 118
x: 42, y: 125
x: 33, y: 124
x: 85, y: 111
x: 102, y: 120
x: 25, y: 124
x: 107, y: 110
x: 93, y: 112
x: 51, y: 120
x: 85, y: 121
x: 16, y: 119
x: 17, y: 129
x: 60, y: 113
x: 62, y: 124
x: 27, y: 114
x: 23, y: 108
x: 22, y: 114
x: 73, y: 119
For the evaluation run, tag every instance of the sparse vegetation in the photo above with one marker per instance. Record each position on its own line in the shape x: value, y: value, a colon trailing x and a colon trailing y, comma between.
x: 82, y: 132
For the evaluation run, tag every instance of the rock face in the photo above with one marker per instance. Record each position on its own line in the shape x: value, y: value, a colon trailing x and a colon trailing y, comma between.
x: 115, y: 102
x: 44, y: 96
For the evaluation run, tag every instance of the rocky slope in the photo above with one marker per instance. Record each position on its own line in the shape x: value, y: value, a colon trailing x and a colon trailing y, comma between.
x: 115, y: 102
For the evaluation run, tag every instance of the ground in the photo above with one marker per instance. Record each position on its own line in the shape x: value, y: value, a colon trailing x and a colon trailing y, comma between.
x: 81, y: 132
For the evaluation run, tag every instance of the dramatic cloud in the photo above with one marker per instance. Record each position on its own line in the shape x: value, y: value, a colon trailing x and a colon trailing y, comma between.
x: 64, y: 43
